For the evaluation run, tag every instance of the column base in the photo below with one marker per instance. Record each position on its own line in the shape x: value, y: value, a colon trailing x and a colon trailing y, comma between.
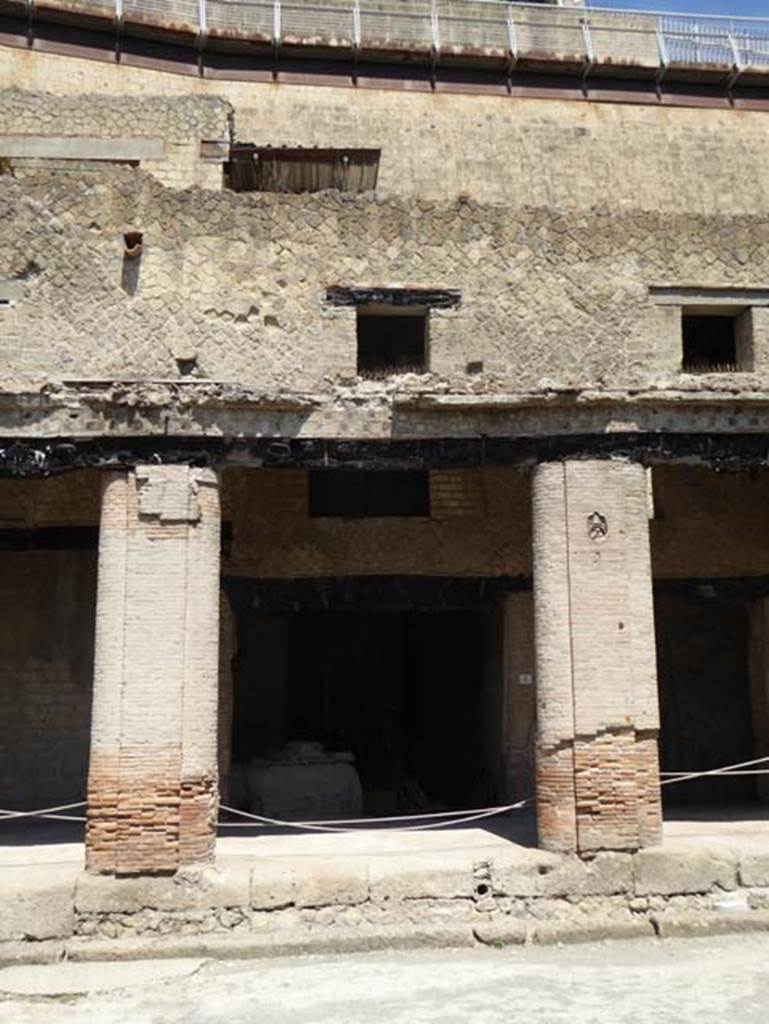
x: 137, y: 824
x: 600, y: 793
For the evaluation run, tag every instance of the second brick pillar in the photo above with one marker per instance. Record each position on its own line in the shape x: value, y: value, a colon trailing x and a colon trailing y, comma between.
x: 597, y: 706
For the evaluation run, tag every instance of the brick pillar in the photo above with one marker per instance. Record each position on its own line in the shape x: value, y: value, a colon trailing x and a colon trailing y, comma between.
x: 152, y: 787
x: 597, y: 708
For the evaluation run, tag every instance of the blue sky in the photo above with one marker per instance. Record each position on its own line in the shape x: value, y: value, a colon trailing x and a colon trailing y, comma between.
x: 750, y: 8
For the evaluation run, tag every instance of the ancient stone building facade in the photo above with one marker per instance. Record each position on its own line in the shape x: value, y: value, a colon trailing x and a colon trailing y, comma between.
x: 403, y: 395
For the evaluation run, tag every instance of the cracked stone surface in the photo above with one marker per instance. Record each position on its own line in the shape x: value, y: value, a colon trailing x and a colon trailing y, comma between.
x: 699, y: 981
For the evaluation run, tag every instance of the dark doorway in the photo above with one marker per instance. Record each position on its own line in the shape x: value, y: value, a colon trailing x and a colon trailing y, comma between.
x: 443, y: 706
x: 402, y: 691
x: 704, y: 686
x: 399, y: 690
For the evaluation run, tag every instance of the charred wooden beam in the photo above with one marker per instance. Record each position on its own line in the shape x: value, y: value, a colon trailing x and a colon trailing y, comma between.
x: 44, y: 457
x: 430, y: 298
x: 383, y: 593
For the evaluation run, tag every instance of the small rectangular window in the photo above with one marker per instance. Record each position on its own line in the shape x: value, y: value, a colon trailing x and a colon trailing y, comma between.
x: 267, y: 169
x: 709, y: 343
x: 391, y: 342
x: 392, y: 325
x: 356, y: 494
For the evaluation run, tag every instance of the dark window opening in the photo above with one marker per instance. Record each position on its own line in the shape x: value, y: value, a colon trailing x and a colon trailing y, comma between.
x: 709, y: 344
x: 358, y: 495
x: 264, y: 169
x: 391, y: 343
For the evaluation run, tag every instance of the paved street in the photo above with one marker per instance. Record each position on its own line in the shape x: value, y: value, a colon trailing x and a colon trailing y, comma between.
x: 684, y: 981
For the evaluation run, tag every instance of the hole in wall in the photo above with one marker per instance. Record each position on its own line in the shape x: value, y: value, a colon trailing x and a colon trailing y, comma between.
x: 133, y: 241
x: 133, y: 245
x: 187, y: 367
x: 31, y: 270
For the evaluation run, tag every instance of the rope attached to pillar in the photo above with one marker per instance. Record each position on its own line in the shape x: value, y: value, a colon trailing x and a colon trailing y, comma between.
x: 46, y: 812
x: 438, y: 819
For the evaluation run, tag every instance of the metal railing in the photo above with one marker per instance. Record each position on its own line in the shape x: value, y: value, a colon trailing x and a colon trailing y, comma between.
x: 452, y: 29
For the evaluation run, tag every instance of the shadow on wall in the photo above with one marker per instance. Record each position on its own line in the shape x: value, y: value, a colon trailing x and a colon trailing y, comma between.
x: 46, y: 675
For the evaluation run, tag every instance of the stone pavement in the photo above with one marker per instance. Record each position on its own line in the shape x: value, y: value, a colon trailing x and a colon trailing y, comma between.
x: 68, y: 978
x: 276, y: 895
x: 702, y: 981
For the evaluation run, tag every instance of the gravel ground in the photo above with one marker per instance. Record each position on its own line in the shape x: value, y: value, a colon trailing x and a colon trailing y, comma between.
x: 696, y: 981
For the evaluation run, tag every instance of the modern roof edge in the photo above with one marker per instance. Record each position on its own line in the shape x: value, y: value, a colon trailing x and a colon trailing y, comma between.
x: 481, y: 35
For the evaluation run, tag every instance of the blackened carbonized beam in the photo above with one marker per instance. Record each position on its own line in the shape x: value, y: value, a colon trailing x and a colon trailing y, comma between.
x: 432, y: 298
x: 39, y: 458
x: 380, y: 593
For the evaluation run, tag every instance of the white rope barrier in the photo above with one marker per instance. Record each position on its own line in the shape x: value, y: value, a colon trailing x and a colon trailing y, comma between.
x: 445, y: 822
x: 437, y: 819
x: 726, y: 770
x: 407, y: 817
x: 728, y: 775
x: 46, y: 812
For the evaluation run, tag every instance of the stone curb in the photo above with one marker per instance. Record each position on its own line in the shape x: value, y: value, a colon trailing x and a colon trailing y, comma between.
x: 270, y: 946
x: 359, y: 940
x: 672, y: 925
x: 18, y: 953
x: 550, y: 933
